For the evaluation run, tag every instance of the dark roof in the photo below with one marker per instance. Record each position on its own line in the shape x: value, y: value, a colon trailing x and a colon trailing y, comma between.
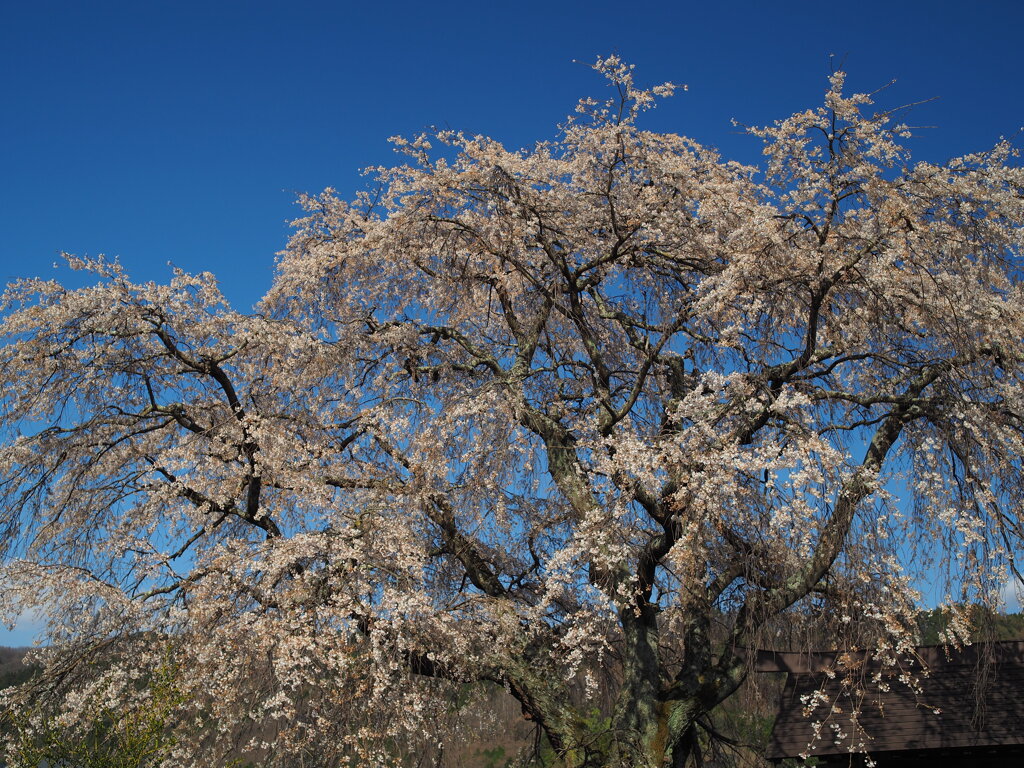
x: 968, y: 699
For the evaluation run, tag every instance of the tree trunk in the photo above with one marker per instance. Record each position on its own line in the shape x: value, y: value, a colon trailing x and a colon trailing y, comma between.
x: 638, y: 718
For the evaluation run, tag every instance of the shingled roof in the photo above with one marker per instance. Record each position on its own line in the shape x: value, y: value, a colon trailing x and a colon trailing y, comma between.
x: 970, y: 704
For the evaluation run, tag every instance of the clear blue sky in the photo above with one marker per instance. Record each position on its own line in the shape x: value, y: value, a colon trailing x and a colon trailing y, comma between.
x: 181, y: 131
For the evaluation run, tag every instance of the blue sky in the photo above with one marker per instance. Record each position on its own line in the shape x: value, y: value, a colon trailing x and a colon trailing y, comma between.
x: 182, y: 131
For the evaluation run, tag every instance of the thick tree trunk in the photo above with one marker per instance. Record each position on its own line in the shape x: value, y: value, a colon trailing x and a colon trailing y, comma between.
x: 639, y: 718
x: 654, y: 720
x: 651, y: 726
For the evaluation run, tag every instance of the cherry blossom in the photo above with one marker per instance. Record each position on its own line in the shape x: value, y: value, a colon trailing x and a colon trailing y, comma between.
x: 515, y: 418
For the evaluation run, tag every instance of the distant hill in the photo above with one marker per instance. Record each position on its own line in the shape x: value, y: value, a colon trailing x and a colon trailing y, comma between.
x: 13, y: 670
x: 987, y: 626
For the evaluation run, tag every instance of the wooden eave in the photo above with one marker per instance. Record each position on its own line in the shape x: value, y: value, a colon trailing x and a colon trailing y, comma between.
x: 968, y: 699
